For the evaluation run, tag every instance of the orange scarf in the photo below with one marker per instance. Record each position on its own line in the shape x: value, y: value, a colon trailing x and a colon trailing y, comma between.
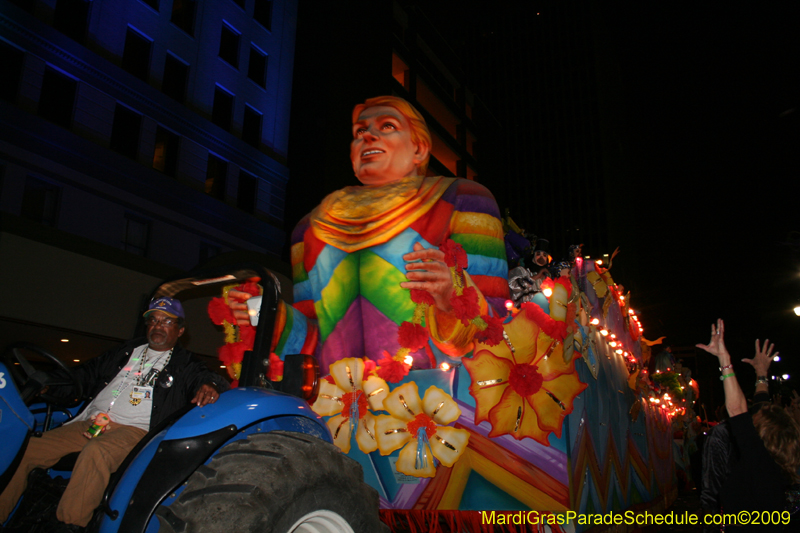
x: 358, y: 217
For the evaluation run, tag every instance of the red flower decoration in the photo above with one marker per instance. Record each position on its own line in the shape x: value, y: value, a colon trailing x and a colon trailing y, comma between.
x: 369, y: 369
x: 275, y: 367
x: 231, y: 353
x: 247, y: 334
x: 219, y: 312
x: 390, y: 370
x: 250, y: 288
x: 466, y: 307
x: 422, y: 421
x: 454, y: 254
x: 330, y: 379
x: 359, y: 398
x: 493, y: 334
x: 553, y: 328
x: 422, y: 297
x: 525, y: 379
x: 412, y: 336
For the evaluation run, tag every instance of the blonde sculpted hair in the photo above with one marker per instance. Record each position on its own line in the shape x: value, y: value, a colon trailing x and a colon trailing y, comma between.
x: 781, y: 436
x: 419, y: 129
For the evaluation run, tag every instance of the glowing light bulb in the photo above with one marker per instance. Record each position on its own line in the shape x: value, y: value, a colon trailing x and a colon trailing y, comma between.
x: 613, y: 344
x: 619, y: 351
x: 64, y: 340
x: 408, y: 360
x: 785, y: 376
x: 509, y: 304
x: 604, y: 332
x: 599, y: 261
x: 777, y: 358
x: 596, y: 321
x: 548, y: 292
x: 445, y: 367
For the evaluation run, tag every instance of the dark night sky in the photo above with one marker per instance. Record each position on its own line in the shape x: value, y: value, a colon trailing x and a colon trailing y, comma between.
x: 709, y: 98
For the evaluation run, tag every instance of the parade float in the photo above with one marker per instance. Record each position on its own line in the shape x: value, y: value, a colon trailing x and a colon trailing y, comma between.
x: 552, y: 411
x: 478, y: 405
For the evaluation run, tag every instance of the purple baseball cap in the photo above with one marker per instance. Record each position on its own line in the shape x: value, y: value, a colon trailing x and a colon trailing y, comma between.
x: 170, y: 306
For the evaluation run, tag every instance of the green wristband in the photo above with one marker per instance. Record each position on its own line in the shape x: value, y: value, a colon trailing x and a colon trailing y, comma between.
x: 723, y: 377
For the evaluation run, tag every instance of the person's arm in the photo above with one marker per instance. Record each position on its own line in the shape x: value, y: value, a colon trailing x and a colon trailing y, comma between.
x: 735, y: 401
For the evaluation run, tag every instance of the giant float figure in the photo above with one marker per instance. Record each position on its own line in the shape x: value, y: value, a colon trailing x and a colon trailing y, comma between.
x: 447, y: 401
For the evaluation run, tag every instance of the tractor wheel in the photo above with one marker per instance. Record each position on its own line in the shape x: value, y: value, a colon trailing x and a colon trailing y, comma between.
x: 276, y: 482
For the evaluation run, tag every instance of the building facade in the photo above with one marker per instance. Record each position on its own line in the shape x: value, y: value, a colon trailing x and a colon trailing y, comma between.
x: 139, y: 138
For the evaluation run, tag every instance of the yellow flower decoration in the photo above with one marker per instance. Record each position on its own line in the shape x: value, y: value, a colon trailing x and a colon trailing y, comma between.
x: 420, y: 428
x: 349, y: 397
x: 523, y: 386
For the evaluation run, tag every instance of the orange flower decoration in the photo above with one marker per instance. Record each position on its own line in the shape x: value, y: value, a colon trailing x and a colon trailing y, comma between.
x: 523, y: 386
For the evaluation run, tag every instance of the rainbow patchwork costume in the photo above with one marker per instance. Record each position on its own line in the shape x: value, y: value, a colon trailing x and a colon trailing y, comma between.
x: 347, y: 262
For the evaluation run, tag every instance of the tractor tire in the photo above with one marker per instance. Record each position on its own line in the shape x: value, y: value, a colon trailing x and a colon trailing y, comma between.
x: 276, y: 482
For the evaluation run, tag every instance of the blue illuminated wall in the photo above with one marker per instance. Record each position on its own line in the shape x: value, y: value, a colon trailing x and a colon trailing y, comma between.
x: 88, y: 118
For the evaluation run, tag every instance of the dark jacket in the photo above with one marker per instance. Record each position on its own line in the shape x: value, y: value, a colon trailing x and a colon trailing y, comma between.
x: 187, y: 371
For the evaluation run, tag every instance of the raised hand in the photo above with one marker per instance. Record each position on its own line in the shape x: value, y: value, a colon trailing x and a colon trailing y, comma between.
x: 716, y: 346
x: 763, y: 358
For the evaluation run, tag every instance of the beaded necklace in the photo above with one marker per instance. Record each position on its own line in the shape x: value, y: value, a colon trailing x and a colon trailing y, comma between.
x: 140, y: 378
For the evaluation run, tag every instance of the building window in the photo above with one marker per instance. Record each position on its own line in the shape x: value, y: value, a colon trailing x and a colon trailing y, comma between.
x: 257, y: 67
x: 13, y: 60
x: 125, y: 131
x: 263, y: 13
x: 165, y: 155
x: 215, y: 177
x: 136, y: 56
x: 222, y: 113
x: 183, y: 12
x: 251, y: 127
x: 40, y: 201
x: 229, y: 45
x: 207, y: 251
x: 248, y: 192
x: 57, y: 99
x: 176, y: 73
x: 135, y: 235
x: 71, y: 18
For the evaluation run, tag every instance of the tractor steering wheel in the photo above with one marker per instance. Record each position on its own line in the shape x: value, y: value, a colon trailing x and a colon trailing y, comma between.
x: 32, y: 383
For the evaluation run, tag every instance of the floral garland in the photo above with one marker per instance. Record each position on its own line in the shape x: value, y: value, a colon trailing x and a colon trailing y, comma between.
x: 238, y: 338
x: 413, y: 335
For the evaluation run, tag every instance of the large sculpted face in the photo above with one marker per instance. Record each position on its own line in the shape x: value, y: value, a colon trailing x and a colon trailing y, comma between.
x: 382, y: 150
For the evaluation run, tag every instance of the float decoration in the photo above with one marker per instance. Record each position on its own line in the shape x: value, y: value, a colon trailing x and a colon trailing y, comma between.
x: 523, y: 387
x: 238, y: 338
x: 418, y: 428
x: 347, y: 395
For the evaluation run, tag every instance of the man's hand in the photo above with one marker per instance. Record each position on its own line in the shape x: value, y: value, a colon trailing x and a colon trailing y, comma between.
x: 239, y: 309
x: 431, y: 275
x: 763, y: 358
x: 206, y: 394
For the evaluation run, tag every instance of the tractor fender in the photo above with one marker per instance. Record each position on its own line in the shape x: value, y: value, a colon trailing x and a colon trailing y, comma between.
x: 174, y: 454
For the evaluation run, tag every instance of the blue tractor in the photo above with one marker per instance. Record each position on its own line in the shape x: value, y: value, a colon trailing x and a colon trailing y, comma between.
x: 257, y: 460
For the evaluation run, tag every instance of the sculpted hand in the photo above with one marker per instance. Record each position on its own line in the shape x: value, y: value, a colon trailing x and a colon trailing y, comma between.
x: 763, y: 357
x: 716, y: 346
x: 206, y: 394
x: 239, y: 309
x: 431, y: 275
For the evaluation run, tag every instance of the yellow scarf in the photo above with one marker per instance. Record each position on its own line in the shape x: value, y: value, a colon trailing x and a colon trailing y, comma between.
x: 358, y: 217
